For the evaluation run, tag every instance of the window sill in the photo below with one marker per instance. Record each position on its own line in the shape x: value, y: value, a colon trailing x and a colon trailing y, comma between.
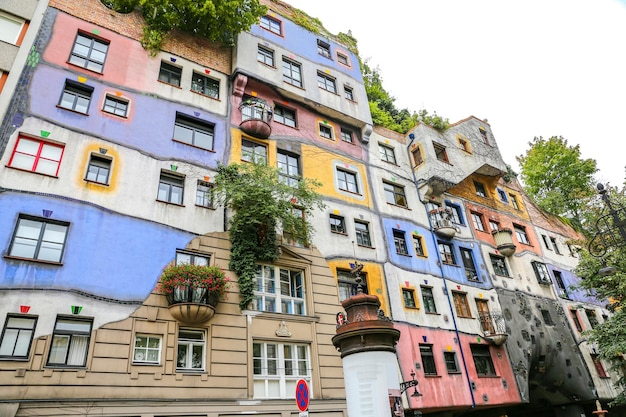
x: 185, y: 371
x: 412, y: 307
x: 39, y: 261
x: 339, y: 233
x: 365, y: 246
x: 193, y: 146
x: 404, y: 254
x: 488, y: 376
x: 283, y: 316
x: 116, y: 115
x: 205, y: 95
x: 206, y: 207
x: 32, y: 172
x: 266, y: 65
x: 14, y: 359
x: 61, y: 367
x: 145, y: 364
x: 104, y: 184
x: 465, y: 317
x: 171, y: 85
x: 72, y: 110
x: 170, y: 203
x: 432, y: 376
x: 432, y: 313
x: 398, y: 205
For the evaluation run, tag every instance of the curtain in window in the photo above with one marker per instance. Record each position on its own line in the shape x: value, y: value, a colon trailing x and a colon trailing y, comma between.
x: 78, y: 351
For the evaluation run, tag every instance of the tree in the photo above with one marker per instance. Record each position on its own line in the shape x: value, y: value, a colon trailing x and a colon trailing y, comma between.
x: 215, y: 20
x: 557, y: 178
x: 262, y: 203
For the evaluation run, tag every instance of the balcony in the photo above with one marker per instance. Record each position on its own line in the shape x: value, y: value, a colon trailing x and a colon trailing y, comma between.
x: 441, y: 220
x: 256, y: 116
x: 504, y: 241
x: 493, y: 326
x: 192, y: 305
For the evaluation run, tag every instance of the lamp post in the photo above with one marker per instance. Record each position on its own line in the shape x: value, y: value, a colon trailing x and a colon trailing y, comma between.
x: 610, y: 230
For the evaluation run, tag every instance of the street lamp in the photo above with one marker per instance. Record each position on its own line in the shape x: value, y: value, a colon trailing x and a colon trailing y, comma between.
x: 610, y: 230
x: 408, y: 384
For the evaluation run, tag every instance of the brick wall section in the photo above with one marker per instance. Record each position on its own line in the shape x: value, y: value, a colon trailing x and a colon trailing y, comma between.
x: 194, y: 48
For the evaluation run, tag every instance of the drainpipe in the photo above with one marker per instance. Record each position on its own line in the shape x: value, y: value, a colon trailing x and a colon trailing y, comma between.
x: 445, y: 285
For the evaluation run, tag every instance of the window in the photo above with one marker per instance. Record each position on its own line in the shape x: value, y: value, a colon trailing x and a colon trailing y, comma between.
x: 326, y: 131
x: 76, y: 97
x: 520, y: 232
x: 205, y: 85
x: 547, y: 319
x: 279, y: 290
x: 192, y: 258
x: 418, y: 244
x: 440, y: 152
x: 499, y: 265
x: 89, y: 52
x: 98, y: 169
x: 546, y: 242
x: 571, y: 249
x: 171, y: 188
x: 429, y: 300
x: 455, y: 213
x: 325, y: 82
x: 387, y: 153
x: 37, y: 156
x: 464, y: 144
x: 399, y: 240
x: 494, y: 226
x: 560, y: 285
x: 265, y: 56
x: 348, y: 93
x: 394, y: 194
x: 285, y: 116
x: 271, y: 24
x: 170, y: 74
x: 483, y: 134
x: 147, y: 349
x: 346, y: 281
x: 10, y: 28
x: 288, y: 168
x: 39, y: 239
x: 555, y: 246
x: 428, y: 360
x: 278, y: 367
x: 292, y: 72
x: 502, y: 195
x: 346, y: 135
x: 337, y: 224
x: 452, y: 365
x: 17, y: 335
x: 116, y: 106
x: 343, y: 59
x: 447, y: 253
x: 461, y: 305
x: 482, y: 360
x: 514, y: 201
x: 541, y: 272
x: 592, y: 317
x: 70, y: 342
x: 468, y: 264
x: 253, y: 152
x: 477, y: 220
x: 362, y: 233
x: 204, y: 194
x: 417, y: 156
x: 480, y: 189
x: 408, y: 295
x: 347, y: 181
x: 576, y: 320
x: 191, y: 350
x: 599, y: 366
x: 323, y: 48
x: 193, y: 132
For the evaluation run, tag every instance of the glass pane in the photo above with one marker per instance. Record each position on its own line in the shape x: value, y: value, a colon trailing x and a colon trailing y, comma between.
x: 141, y: 341
x: 78, y: 350
x: 8, y: 342
x: 82, y: 104
x: 80, y: 49
x: 59, y: 348
x: 163, y: 192
x: 181, y: 357
x: 272, y: 367
x: 154, y: 343
x: 177, y: 195
x: 196, y: 360
x: 183, y: 134
x: 47, y: 167
x: 153, y: 356
x: 203, y: 140
x: 73, y: 326
x: 97, y: 56
x: 94, y: 66
x: 28, y: 146
x: 54, y: 233
x: 23, y: 161
x: 67, y: 100
x: 50, y: 252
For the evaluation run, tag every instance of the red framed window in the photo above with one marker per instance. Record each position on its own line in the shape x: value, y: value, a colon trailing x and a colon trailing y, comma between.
x: 36, y: 155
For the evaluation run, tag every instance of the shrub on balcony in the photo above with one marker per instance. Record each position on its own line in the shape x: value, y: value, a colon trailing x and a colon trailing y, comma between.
x: 210, y: 281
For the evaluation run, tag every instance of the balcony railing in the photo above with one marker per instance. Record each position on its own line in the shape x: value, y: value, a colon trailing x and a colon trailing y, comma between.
x: 441, y: 220
x: 504, y: 241
x: 493, y: 326
x: 256, y: 116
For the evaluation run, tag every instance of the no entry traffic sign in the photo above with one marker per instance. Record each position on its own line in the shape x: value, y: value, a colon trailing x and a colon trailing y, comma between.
x: 302, y: 395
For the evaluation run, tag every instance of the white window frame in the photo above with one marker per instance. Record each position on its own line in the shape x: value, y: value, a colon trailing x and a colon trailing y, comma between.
x: 275, y: 375
x: 190, y: 344
x: 280, y: 290
x: 145, y: 354
x: 343, y: 181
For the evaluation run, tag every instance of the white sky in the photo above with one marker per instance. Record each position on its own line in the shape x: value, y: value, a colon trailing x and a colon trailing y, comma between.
x: 533, y: 68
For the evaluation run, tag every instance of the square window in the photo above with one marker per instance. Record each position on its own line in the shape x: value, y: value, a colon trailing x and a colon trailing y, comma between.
x: 560, y: 284
x: 39, y: 239
x: 546, y: 242
x: 10, y: 28
x: 418, y: 244
x: 428, y: 360
x: 468, y: 264
x: 387, y: 153
x: 480, y: 189
x: 326, y: 131
x: 277, y: 367
x: 455, y: 213
x: 347, y: 181
x: 464, y: 144
x: 204, y: 194
x: 323, y: 48
x: 441, y: 153
x: 346, y: 135
x: 499, y: 265
x: 502, y: 195
x: 452, y: 365
x: 147, y: 349
x: 271, y: 24
x: 447, y: 253
x: 399, y: 240
x: 285, y: 116
x: 288, y: 168
x: 170, y: 74
x: 337, y: 224
x: 362, y: 230
x: 348, y: 93
x: 279, y: 290
x: 408, y: 295
x: 76, y: 97
x: 98, y: 169
x: 192, y: 258
x: 520, y: 232
x: 547, y: 319
x: 116, y: 106
x: 477, y: 220
x: 265, y: 56
x: 70, y: 342
x: 37, y: 156
x: 541, y: 272
x: 17, y: 336
x: 205, y: 85
x: 555, y: 246
x: 89, y: 52
x: 292, y: 72
x: 191, y: 350
x: 461, y: 305
x: 343, y: 59
x: 253, y: 152
x: 325, y: 82
x: 348, y: 287
x: 418, y: 158
x: 171, y: 188
x: 194, y: 132
x: 482, y: 360
x: 394, y: 194
x: 429, y: 300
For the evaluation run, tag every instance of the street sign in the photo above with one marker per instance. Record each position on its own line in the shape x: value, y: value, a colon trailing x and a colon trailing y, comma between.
x: 302, y: 395
x: 303, y: 414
